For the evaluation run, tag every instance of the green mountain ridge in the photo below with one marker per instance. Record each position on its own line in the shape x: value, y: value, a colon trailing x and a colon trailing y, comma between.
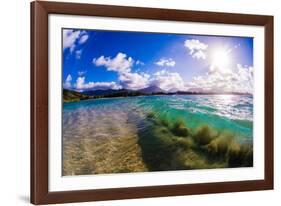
x: 73, y: 96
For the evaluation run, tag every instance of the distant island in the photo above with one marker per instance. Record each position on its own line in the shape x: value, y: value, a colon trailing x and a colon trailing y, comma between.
x: 73, y: 96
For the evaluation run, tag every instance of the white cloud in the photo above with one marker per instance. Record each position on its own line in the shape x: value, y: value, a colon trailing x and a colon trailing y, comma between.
x: 73, y: 38
x: 134, y: 80
x: 83, y: 38
x: 69, y: 39
x: 81, y: 85
x: 67, y: 83
x: 236, y: 79
x: 68, y: 78
x: 138, y: 62
x: 81, y: 73
x: 120, y: 63
x: 196, y: 48
x: 199, y: 55
x: 165, y: 62
x: 123, y: 66
x: 168, y: 81
x: 80, y: 82
x: 78, y: 54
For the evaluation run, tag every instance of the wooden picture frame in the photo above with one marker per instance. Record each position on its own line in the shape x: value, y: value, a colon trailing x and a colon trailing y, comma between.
x: 40, y: 193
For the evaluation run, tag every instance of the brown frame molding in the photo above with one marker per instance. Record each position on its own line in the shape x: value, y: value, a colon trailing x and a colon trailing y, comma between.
x: 39, y: 102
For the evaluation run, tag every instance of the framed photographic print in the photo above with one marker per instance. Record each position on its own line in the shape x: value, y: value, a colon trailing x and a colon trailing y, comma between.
x: 133, y: 102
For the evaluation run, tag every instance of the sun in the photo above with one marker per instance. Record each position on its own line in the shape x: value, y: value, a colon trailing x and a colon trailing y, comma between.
x: 220, y: 60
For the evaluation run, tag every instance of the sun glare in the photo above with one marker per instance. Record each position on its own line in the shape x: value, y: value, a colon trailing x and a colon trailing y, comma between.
x: 220, y: 59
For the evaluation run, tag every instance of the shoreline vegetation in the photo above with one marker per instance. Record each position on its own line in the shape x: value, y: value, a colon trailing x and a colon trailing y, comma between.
x: 75, y: 96
x: 163, y: 146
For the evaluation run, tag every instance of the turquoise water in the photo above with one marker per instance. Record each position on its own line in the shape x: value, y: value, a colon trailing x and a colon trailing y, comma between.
x: 233, y: 113
x: 157, y: 133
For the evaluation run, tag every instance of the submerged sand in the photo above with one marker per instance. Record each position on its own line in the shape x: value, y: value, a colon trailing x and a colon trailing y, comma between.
x: 105, y: 145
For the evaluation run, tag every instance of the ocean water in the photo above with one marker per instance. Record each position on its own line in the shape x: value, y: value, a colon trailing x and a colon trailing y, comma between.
x: 106, y: 131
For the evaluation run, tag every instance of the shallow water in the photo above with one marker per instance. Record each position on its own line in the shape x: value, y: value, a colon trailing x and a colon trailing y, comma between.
x: 102, y: 135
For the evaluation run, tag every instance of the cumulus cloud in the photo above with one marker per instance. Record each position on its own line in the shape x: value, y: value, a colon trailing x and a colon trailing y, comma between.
x: 81, y: 85
x: 120, y: 63
x: 165, y: 62
x: 237, y: 79
x: 168, y: 81
x: 134, y: 80
x: 123, y: 66
x: 73, y: 38
x: 199, y: 55
x: 196, y: 48
x: 67, y: 83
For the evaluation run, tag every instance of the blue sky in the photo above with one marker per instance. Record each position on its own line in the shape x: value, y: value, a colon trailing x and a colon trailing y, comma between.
x: 134, y: 60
